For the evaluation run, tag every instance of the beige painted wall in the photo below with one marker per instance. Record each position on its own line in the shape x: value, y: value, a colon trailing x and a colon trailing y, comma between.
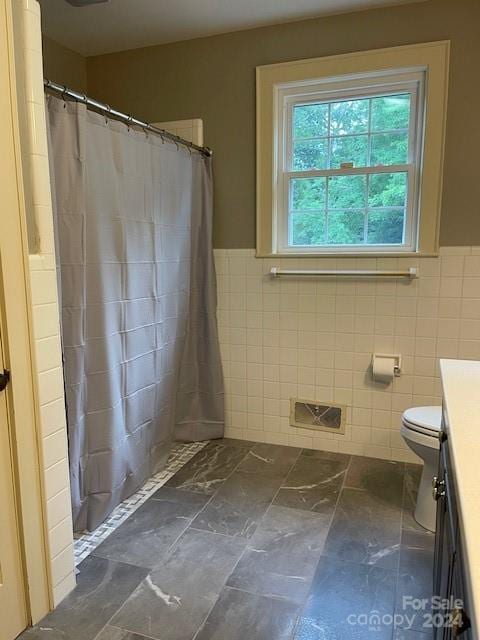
x: 64, y: 65
x: 214, y: 79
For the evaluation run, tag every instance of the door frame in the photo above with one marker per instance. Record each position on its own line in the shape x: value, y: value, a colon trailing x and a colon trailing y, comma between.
x: 18, y: 342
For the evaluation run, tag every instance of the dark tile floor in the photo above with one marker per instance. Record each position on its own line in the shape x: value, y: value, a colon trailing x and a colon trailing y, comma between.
x: 260, y: 542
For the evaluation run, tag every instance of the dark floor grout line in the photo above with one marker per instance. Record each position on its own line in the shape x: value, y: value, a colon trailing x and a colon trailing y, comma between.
x: 334, y: 511
x: 116, y: 562
x: 188, y: 526
x: 262, y: 595
x: 284, y: 479
x: 221, y: 484
x: 340, y: 491
x: 119, y: 609
x: 140, y: 635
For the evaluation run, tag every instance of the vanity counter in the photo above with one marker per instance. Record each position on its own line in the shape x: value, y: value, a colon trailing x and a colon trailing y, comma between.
x: 461, y: 417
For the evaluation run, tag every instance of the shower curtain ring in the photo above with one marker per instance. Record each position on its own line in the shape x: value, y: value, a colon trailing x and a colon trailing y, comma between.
x: 108, y: 113
x: 65, y: 89
x: 129, y: 122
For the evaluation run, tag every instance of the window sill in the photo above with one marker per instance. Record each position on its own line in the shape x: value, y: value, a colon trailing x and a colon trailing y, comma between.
x: 403, y: 254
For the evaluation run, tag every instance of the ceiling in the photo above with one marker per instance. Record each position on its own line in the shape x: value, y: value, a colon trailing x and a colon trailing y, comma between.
x: 129, y: 24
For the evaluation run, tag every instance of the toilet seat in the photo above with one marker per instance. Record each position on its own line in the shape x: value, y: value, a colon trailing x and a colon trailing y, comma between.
x: 424, y: 420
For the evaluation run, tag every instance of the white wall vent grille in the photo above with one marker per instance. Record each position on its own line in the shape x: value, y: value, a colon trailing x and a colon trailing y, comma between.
x: 307, y: 414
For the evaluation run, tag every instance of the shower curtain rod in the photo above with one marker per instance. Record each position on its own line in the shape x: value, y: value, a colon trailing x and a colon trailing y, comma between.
x: 64, y: 92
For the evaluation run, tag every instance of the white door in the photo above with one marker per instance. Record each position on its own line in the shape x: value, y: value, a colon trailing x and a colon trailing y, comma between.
x: 13, y: 619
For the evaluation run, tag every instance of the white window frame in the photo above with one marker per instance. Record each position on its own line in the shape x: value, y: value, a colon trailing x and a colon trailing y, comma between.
x: 420, y: 70
x: 290, y: 95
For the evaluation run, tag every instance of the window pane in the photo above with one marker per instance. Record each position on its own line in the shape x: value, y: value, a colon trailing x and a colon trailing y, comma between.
x: 390, y: 112
x: 310, y: 155
x: 345, y: 227
x: 347, y: 192
x: 349, y: 149
x: 389, y: 148
x: 385, y: 226
x: 307, y: 193
x: 307, y: 228
x: 387, y: 190
x: 349, y: 116
x: 310, y: 120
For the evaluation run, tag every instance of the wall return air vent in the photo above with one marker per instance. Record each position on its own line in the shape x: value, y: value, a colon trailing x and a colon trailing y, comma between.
x: 307, y: 414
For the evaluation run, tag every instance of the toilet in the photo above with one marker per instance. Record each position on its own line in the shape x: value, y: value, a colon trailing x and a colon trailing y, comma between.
x: 420, y: 430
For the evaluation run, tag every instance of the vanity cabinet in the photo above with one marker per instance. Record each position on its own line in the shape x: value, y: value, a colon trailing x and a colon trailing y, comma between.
x: 450, y: 618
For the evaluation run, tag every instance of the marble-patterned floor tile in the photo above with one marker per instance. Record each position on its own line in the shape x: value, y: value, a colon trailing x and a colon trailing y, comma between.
x: 365, y: 529
x: 381, y: 478
x: 411, y: 481
x: 239, y: 504
x: 174, y: 600
x: 269, y: 460
x: 238, y: 615
x: 341, y: 599
x: 273, y: 559
x: 102, y: 587
x: 415, y: 576
x: 153, y: 528
x: 281, y: 557
x: 209, y: 468
x: 114, y: 633
x: 314, y: 483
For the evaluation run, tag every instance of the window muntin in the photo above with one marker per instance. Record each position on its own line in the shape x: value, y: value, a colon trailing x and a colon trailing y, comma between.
x: 366, y: 131
x: 348, y: 169
x: 348, y: 210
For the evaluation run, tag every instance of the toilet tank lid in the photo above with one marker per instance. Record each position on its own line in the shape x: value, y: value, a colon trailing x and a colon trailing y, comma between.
x: 426, y: 417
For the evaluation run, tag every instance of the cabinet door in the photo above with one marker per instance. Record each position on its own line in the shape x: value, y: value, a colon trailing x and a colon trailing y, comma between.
x: 442, y: 539
x: 451, y: 620
x: 444, y: 558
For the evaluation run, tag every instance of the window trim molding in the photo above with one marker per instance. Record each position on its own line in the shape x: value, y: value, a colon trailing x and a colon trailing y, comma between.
x: 433, y: 57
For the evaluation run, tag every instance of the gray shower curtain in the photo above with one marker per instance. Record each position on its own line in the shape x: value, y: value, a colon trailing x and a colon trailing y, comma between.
x: 137, y: 293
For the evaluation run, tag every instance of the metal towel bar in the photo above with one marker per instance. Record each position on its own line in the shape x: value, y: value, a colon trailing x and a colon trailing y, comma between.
x: 411, y: 273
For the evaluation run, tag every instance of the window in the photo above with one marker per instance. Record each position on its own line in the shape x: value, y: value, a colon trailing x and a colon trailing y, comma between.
x: 350, y: 169
x: 348, y: 157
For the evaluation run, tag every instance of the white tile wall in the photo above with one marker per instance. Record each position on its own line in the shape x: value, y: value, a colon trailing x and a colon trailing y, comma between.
x: 45, y: 317
x: 191, y: 130
x: 313, y: 339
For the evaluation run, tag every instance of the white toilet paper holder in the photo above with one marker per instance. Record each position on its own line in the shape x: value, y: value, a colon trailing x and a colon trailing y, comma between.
x: 397, y: 367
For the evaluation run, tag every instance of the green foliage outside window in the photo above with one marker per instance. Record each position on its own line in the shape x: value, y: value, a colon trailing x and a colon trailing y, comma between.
x: 349, y: 209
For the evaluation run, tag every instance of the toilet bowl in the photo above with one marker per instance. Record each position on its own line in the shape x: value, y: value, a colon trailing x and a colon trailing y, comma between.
x: 420, y: 429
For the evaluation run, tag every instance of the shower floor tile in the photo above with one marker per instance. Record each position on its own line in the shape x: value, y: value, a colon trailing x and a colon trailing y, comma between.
x: 255, y: 541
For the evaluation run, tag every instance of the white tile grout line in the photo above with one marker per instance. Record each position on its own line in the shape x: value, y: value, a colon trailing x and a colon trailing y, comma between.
x: 85, y: 543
